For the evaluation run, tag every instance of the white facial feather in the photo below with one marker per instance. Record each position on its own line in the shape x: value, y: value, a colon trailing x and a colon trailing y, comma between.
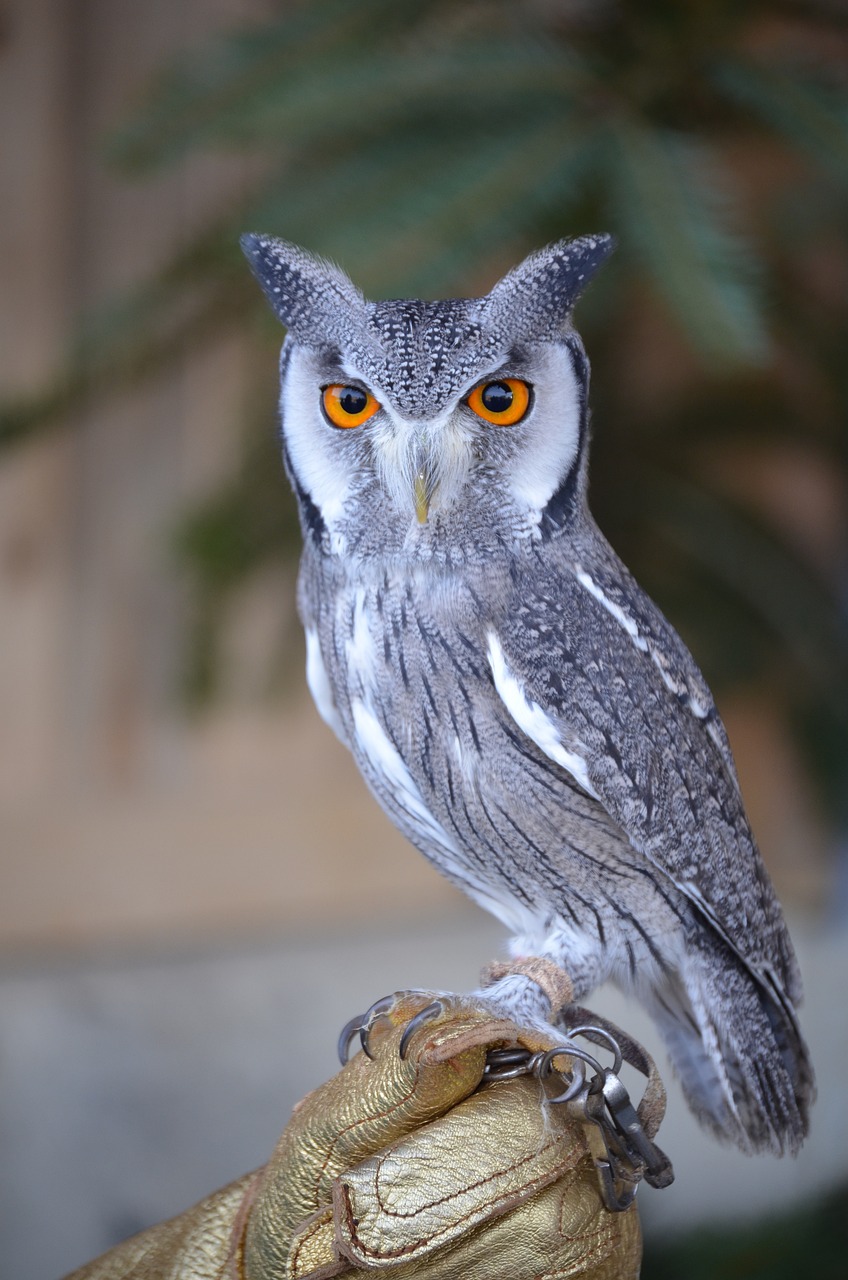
x: 551, y: 431
x: 321, y: 467
x: 441, y: 446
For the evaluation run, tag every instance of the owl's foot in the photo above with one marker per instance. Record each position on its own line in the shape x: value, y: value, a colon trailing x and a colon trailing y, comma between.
x: 529, y: 993
x: 431, y: 1025
x: 408, y: 1011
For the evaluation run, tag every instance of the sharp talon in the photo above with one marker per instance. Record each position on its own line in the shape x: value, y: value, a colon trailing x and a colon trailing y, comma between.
x: 577, y: 1079
x: 348, y: 1031
x: 364, y: 1033
x: 366, y: 1025
x: 424, y: 1015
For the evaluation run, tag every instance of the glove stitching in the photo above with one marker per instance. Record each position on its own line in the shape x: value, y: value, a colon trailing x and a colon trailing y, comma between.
x: 303, y: 1242
x: 513, y: 1194
x: 602, y: 1242
x: 500, y: 1173
x: 610, y: 1237
x: 360, y: 1123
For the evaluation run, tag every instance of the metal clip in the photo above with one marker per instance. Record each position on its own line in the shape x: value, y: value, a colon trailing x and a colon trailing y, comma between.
x: 630, y: 1155
x: 658, y: 1170
x: 508, y: 1064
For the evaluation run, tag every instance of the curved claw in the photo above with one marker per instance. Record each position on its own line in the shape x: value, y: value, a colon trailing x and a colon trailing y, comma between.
x: 368, y: 1019
x: 578, y: 1076
x: 424, y: 1015
x: 346, y: 1035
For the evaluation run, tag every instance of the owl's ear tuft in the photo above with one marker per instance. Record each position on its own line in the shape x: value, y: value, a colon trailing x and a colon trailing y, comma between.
x: 305, y: 291
x: 539, y: 294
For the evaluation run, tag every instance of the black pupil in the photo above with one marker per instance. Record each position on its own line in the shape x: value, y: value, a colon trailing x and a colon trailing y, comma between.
x: 497, y: 397
x: 352, y: 400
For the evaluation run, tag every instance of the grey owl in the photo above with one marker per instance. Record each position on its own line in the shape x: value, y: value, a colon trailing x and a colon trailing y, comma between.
x: 521, y: 710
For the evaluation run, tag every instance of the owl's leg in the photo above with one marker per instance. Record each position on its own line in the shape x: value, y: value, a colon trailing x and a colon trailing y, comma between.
x: 532, y: 991
x: 517, y: 997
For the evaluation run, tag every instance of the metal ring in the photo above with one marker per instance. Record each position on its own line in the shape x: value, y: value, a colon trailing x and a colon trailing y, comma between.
x: 571, y: 1051
x: 509, y: 1064
x: 577, y: 1077
x: 509, y: 1056
x: 589, y: 1030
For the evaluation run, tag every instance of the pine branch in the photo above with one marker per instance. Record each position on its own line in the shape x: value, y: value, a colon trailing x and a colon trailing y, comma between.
x: 671, y: 204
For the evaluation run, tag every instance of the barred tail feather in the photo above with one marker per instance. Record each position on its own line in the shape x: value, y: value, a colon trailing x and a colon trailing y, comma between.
x: 738, y: 1052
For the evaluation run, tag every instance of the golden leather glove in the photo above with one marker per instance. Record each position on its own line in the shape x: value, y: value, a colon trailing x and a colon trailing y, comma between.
x: 415, y: 1166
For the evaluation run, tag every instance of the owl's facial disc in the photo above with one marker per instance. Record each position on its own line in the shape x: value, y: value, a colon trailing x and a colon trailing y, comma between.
x: 502, y: 446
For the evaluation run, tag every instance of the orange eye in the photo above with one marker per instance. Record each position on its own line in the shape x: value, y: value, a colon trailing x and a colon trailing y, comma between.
x: 504, y: 402
x: 348, y: 406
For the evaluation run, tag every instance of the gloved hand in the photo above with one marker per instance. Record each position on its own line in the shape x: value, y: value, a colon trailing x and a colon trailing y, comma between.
x: 416, y: 1166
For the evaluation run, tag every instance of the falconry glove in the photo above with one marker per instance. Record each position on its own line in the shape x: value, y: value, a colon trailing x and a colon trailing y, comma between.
x: 448, y: 1159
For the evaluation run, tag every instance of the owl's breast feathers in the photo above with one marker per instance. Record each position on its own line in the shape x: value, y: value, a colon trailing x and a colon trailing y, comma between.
x: 558, y: 687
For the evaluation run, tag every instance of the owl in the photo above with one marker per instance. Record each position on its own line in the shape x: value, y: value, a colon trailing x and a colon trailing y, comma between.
x: 517, y: 705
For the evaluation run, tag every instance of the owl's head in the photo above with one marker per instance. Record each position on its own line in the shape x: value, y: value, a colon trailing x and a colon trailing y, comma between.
x: 430, y: 428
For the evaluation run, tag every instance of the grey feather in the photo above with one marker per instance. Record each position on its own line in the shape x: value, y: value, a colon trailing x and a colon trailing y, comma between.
x: 518, y: 706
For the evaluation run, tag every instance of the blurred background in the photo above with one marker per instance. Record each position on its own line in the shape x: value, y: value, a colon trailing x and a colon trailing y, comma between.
x: 196, y: 888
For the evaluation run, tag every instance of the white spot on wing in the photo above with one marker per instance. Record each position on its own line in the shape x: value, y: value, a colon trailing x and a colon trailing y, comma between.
x: 319, y: 684
x: 612, y: 608
x: 391, y: 773
x: 359, y: 647
x: 532, y: 720
x: 678, y: 687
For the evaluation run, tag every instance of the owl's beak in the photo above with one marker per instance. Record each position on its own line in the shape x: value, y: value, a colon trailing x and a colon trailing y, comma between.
x: 424, y: 484
x: 422, y: 493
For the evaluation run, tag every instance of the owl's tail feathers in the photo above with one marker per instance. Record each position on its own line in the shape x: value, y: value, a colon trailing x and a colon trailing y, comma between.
x: 738, y: 1052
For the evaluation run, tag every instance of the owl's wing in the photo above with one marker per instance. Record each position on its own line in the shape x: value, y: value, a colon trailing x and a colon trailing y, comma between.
x: 590, y: 670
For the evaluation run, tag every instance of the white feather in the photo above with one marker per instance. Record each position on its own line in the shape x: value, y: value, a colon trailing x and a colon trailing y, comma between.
x: 552, y: 433
x: 319, y: 685
x: 612, y: 608
x: 391, y: 774
x: 359, y: 647
x: 531, y: 718
x: 319, y: 466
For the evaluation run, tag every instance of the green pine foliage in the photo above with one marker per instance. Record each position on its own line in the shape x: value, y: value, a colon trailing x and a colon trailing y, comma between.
x: 428, y: 146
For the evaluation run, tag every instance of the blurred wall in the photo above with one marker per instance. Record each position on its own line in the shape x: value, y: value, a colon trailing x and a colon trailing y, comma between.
x: 119, y: 814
